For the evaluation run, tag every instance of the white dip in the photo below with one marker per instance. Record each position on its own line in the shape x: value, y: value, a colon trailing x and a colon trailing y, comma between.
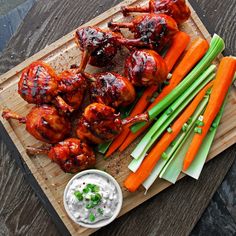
x: 91, y: 198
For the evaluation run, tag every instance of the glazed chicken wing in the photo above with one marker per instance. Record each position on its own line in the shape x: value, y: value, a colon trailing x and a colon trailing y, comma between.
x: 98, y: 46
x: 145, y: 68
x: 174, y: 8
x: 111, y: 89
x: 99, y: 123
x: 73, y: 86
x: 72, y: 155
x: 43, y: 122
x: 39, y: 84
x: 151, y: 30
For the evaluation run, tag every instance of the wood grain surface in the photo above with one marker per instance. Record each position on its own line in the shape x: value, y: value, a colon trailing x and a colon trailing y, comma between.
x: 21, y: 212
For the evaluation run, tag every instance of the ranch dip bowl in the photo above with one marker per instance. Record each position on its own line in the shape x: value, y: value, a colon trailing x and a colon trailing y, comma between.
x: 93, y: 198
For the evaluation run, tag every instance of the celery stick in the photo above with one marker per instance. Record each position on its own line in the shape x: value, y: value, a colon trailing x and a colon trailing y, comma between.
x: 216, y: 47
x: 102, y: 147
x: 173, y: 168
x: 195, y: 168
x: 150, y: 136
x: 178, y: 141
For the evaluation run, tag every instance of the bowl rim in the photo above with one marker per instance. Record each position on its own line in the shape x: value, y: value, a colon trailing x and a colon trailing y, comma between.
x: 104, y: 222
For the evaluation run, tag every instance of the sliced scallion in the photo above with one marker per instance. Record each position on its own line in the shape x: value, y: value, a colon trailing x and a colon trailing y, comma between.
x: 185, y: 127
x: 169, y: 130
x: 164, y: 155
x: 197, y: 130
x: 79, y: 195
x: 92, y: 217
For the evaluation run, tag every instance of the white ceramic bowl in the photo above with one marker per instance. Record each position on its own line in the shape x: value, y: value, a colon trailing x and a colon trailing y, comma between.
x: 104, y: 222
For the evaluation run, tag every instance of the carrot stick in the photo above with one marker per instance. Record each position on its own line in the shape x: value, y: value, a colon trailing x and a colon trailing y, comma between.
x: 144, y: 100
x: 135, y: 179
x: 224, y: 77
x: 179, y: 44
x: 195, y: 52
x: 117, y: 142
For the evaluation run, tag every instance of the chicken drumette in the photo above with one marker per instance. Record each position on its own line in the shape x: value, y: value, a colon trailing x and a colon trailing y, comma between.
x: 174, y: 8
x: 98, y: 46
x: 43, y: 122
x: 145, y: 68
x: 72, y: 155
x: 111, y: 89
x: 99, y: 123
x: 39, y: 84
x: 73, y: 86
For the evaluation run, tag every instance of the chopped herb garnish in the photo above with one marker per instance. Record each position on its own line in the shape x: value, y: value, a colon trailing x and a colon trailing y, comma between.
x: 86, y: 190
x: 169, y: 111
x: 169, y: 130
x: 92, y: 217
x: 91, y: 197
x: 79, y: 195
x: 185, y: 127
x: 164, y: 155
x: 201, y: 123
x: 214, y: 125
x: 197, y: 130
x: 89, y: 205
x: 189, y: 120
x: 208, y: 92
x: 100, y: 211
x: 211, y: 128
x: 96, y: 197
x: 200, y: 118
x: 169, y: 76
x: 96, y: 189
x: 197, y: 122
x: 174, y: 143
x: 95, y: 203
x: 155, y: 94
x: 90, y: 186
x: 166, y: 82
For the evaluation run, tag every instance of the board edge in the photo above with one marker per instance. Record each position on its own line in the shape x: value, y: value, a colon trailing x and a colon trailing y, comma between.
x: 202, y: 20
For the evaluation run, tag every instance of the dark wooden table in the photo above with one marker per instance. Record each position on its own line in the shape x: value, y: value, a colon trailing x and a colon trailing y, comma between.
x: 173, y: 212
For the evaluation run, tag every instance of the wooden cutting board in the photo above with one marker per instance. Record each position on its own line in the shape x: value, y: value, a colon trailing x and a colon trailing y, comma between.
x: 52, y: 180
